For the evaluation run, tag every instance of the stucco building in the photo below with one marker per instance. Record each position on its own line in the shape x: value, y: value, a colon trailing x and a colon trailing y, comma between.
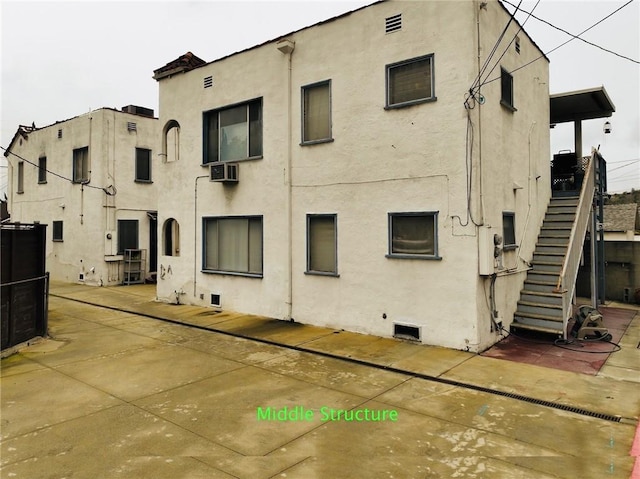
x: 355, y: 173
x: 91, y: 180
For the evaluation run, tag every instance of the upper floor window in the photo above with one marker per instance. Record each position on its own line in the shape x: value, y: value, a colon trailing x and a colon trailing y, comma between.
x: 233, y: 133
x: 316, y: 113
x: 20, y: 188
x: 322, y: 257
x: 506, y: 93
x: 81, y: 165
x: 57, y: 231
x: 509, y: 230
x: 171, y: 142
x: 413, y: 235
x: 42, y: 169
x: 410, y: 82
x: 143, y: 165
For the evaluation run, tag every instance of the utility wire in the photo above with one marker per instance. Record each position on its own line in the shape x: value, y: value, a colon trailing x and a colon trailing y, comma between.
x: 563, y: 44
x: 631, y: 162
x: 106, y: 190
x: 577, y: 37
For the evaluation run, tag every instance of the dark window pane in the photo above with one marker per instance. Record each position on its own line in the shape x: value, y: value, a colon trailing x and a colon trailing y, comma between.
x: 410, y: 81
x: 143, y: 164
x: 413, y: 234
x: 127, y: 235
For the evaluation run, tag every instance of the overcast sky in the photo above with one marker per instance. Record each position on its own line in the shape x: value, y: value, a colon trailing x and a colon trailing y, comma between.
x: 62, y: 59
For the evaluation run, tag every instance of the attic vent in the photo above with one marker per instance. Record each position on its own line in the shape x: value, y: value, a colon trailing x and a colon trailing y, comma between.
x: 404, y: 331
x: 394, y: 23
x: 208, y: 82
x: 215, y: 299
x: 59, y: 133
x: 131, y: 126
x: 517, y: 44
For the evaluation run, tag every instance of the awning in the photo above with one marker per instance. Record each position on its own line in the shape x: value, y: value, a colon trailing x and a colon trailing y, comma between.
x: 580, y: 105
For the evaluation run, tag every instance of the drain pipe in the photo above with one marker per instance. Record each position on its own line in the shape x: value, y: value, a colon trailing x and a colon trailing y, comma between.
x: 526, y: 222
x: 195, y: 232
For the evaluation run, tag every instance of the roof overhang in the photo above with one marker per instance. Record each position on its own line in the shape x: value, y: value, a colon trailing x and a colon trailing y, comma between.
x: 580, y: 105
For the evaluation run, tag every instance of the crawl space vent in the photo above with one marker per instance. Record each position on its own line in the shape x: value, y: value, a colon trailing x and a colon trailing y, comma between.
x: 393, y: 24
x: 208, y: 82
x: 403, y: 331
x: 215, y: 299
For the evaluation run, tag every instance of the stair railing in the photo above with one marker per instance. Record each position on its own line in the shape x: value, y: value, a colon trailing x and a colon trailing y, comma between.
x: 568, y: 275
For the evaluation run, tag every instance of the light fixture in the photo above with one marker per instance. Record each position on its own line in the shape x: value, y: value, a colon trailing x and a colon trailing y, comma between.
x: 607, y: 127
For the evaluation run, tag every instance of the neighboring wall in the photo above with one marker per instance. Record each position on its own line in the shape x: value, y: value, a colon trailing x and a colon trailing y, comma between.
x: 87, y: 213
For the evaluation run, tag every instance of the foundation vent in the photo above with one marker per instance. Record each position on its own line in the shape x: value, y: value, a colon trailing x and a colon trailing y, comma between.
x: 404, y: 331
x: 393, y: 24
x: 215, y: 299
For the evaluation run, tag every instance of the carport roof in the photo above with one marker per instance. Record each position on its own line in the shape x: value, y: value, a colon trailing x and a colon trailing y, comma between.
x: 580, y: 105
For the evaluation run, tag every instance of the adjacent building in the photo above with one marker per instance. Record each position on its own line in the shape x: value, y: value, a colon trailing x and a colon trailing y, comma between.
x: 377, y: 172
x: 91, y: 180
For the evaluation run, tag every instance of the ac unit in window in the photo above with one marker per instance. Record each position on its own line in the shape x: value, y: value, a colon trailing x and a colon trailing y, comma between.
x: 224, y: 172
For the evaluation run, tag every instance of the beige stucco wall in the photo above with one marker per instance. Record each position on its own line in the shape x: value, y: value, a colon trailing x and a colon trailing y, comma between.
x: 381, y: 161
x: 87, y: 213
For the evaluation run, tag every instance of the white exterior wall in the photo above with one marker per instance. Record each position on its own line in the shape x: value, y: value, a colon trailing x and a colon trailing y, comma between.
x: 380, y: 161
x: 87, y: 213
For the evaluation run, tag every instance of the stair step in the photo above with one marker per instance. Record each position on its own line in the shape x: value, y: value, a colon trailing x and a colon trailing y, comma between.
x: 561, y: 209
x: 539, y: 329
x: 553, y: 239
x: 541, y: 297
x: 557, y: 224
x: 550, y: 248
x: 540, y: 286
x: 547, y: 266
x: 564, y: 200
x: 559, y: 216
x: 550, y: 310
x: 521, y: 317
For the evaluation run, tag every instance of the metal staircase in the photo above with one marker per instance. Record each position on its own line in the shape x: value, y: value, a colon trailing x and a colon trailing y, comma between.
x: 546, y: 300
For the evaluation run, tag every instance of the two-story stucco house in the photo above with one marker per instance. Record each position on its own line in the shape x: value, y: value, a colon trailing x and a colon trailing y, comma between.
x: 91, y: 180
x: 379, y: 172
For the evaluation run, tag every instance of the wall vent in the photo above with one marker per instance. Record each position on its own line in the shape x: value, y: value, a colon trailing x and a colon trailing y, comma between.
x: 59, y: 133
x: 518, y: 45
x: 132, y: 126
x: 81, y: 277
x: 215, y: 299
x: 393, y: 24
x: 404, y: 331
x: 208, y: 82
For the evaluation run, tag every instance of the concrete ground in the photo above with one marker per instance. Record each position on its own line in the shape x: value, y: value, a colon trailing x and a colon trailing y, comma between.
x: 118, y: 392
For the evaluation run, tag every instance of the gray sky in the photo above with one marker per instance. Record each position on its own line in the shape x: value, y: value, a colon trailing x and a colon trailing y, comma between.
x: 62, y: 59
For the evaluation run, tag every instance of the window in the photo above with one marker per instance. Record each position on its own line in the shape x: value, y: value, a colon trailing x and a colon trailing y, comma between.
x: 143, y: 165
x: 57, y: 231
x: 506, y: 96
x: 42, y: 169
x: 233, y: 133
x: 509, y: 230
x: 316, y: 113
x: 322, y: 249
x: 171, y: 141
x: 20, y: 188
x: 81, y: 165
x: 410, y: 82
x: 171, y: 237
x: 233, y: 245
x: 413, y: 235
x: 127, y: 235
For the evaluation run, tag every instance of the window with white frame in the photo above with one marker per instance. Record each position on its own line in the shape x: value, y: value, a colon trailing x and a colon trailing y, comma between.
x: 81, y: 165
x: 233, y: 245
x: 506, y: 92
x: 233, y: 133
x: 57, y: 231
x: 316, y: 113
x: 509, y: 230
x: 413, y: 235
x: 20, y: 179
x: 42, y: 169
x: 410, y: 82
x: 322, y: 246
x: 143, y: 165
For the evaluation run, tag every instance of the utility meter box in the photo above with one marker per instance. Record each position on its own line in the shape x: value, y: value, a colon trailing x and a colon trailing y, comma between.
x: 489, y: 250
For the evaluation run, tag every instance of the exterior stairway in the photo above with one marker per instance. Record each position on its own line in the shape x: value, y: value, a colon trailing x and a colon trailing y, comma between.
x: 546, y: 300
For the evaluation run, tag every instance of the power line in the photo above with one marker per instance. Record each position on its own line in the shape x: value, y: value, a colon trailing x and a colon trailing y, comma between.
x: 631, y: 162
x: 563, y: 44
x: 106, y: 190
x: 575, y: 37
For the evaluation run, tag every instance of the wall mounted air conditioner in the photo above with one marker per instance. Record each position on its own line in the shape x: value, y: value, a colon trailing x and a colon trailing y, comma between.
x: 223, y: 172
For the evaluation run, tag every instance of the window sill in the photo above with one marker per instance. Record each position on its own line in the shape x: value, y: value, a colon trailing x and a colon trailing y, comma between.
x: 19, y: 192
x: 251, y: 158
x: 316, y: 142
x: 149, y: 182
x: 322, y: 273
x: 414, y: 256
x: 510, y: 247
x: 410, y: 103
x: 58, y: 241
x: 508, y: 106
x: 42, y: 182
x: 232, y: 273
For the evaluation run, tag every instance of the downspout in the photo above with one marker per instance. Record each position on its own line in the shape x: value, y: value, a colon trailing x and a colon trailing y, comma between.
x: 195, y: 232
x: 286, y: 47
x: 480, y: 176
x: 526, y: 222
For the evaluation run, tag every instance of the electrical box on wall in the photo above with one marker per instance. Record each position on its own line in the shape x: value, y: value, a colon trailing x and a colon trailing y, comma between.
x: 489, y: 250
x: 110, y: 243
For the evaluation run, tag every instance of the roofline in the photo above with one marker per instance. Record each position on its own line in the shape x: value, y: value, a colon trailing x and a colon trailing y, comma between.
x: 582, y: 92
x: 544, y: 55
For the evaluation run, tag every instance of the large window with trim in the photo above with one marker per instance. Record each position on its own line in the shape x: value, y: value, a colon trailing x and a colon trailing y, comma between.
x: 413, y: 235
x: 233, y: 133
x: 410, y: 82
x: 81, y: 165
x: 233, y: 245
x: 316, y: 113
x: 322, y: 250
